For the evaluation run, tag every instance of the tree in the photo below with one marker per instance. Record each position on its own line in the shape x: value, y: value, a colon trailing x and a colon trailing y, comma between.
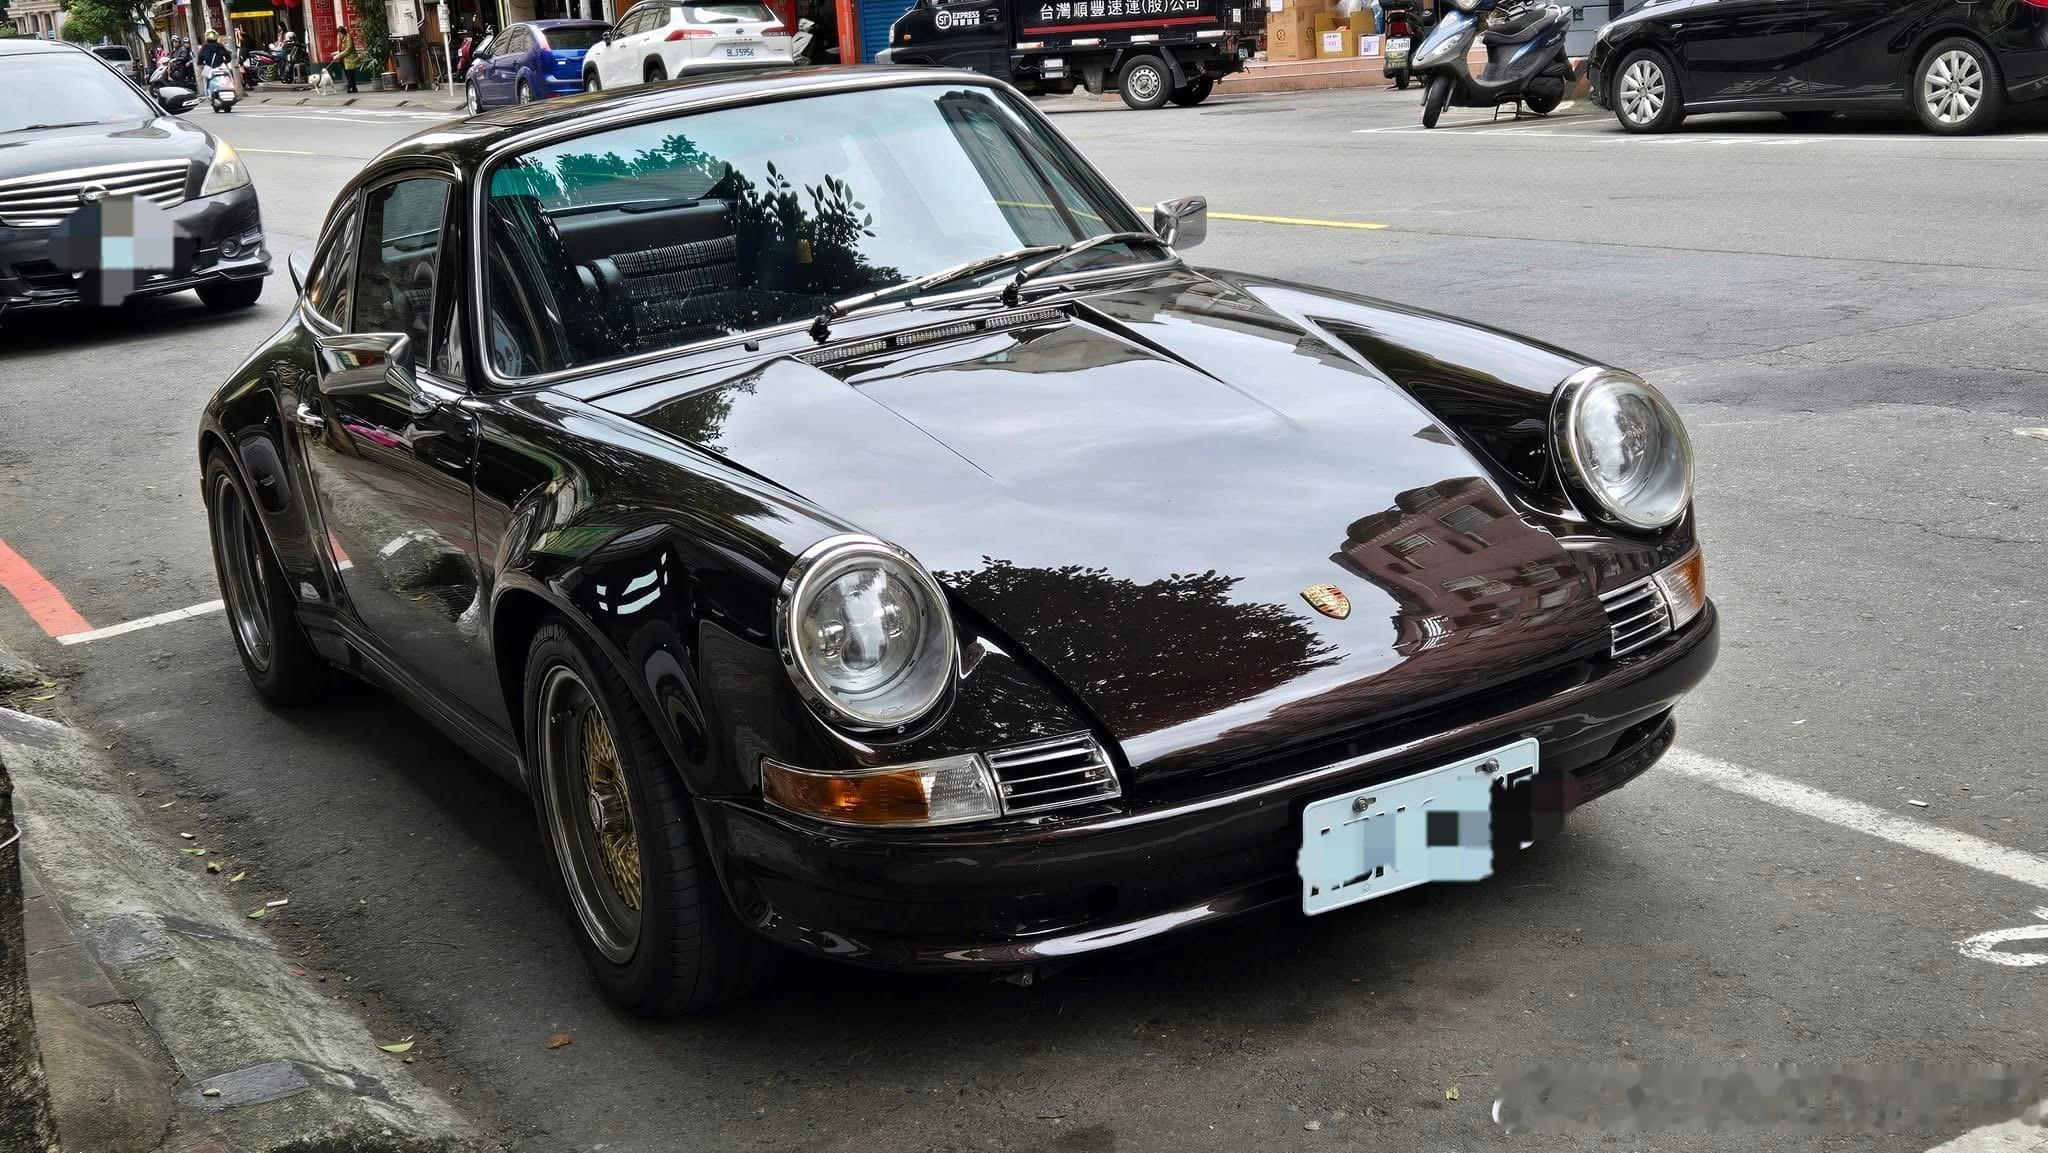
x: 90, y: 21
x: 374, y: 27
x: 24, y: 1094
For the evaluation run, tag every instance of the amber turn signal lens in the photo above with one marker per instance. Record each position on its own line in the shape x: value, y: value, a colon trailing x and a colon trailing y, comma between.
x: 940, y: 792
x: 1684, y: 586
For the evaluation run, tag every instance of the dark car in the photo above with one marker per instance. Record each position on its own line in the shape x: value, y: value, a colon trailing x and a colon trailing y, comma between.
x: 74, y: 131
x: 532, y: 61
x: 1954, y: 63
x: 859, y: 531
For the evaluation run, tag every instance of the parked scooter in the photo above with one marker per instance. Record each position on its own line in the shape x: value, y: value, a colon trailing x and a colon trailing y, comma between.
x: 220, y: 88
x: 1525, y: 60
x: 1407, y: 21
x: 173, y: 71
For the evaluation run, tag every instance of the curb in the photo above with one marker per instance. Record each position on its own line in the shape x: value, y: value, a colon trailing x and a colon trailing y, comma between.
x: 416, y: 104
x: 261, y: 1059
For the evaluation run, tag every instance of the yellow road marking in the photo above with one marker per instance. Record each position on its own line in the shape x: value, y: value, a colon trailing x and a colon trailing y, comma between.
x: 280, y: 152
x: 1304, y: 221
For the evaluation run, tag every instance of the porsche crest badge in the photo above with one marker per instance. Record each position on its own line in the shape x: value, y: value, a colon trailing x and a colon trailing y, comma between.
x: 1328, y: 600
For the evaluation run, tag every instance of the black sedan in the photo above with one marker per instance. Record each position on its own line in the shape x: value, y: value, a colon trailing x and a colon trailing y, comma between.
x: 860, y: 532
x: 76, y: 134
x: 1954, y: 63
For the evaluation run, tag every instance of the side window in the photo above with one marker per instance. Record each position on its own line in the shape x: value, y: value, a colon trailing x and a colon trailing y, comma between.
x: 399, y: 257
x: 632, y: 23
x: 446, y: 359
x: 327, y: 286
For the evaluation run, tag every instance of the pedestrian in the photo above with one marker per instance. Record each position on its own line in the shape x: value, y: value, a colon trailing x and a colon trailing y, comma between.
x: 349, y: 59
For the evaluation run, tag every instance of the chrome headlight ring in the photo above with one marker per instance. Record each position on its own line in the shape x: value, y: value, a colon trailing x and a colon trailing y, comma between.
x: 864, y: 634
x: 1622, y: 449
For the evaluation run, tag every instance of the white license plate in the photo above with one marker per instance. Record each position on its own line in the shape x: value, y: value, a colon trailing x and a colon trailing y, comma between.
x: 740, y: 51
x: 1436, y: 825
x: 1397, y: 44
x: 1055, y: 62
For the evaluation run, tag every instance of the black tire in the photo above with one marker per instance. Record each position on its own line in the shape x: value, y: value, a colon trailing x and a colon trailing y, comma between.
x: 1957, y: 66
x: 1809, y: 118
x: 1542, y: 105
x: 1197, y: 90
x: 1433, y: 101
x: 275, y: 652
x: 223, y: 295
x: 591, y: 83
x: 655, y: 73
x: 1143, y: 83
x: 1401, y: 80
x: 1660, y: 101
x: 525, y: 91
x: 688, y: 951
x: 476, y: 99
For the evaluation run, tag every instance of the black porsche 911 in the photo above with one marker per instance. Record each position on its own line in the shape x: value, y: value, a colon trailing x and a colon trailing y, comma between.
x: 859, y: 531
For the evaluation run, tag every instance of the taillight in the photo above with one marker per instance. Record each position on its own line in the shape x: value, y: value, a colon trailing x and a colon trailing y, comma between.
x: 779, y: 30
x: 691, y: 34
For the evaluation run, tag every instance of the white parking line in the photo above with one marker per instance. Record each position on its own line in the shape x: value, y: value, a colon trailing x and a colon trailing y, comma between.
x: 1957, y: 848
x: 198, y: 610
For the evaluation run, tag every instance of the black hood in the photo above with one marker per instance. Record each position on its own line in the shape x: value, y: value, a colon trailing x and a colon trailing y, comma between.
x: 93, y: 145
x: 1139, y: 493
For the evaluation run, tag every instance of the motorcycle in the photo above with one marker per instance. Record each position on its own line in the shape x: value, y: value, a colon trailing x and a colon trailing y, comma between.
x: 1525, y: 59
x: 1406, y: 22
x: 220, y: 88
x: 171, y: 72
x: 258, y: 65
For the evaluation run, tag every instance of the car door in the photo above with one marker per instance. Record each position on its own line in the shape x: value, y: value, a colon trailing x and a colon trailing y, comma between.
x: 1857, y: 49
x: 1741, y: 51
x: 505, y: 64
x: 390, y: 453
x: 613, y: 54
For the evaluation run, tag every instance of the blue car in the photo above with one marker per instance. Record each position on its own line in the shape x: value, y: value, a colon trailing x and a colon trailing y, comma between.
x: 533, y: 61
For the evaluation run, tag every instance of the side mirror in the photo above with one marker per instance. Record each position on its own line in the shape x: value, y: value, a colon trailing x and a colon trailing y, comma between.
x: 610, y: 35
x: 366, y: 364
x: 298, y: 262
x: 176, y: 100
x: 1182, y: 223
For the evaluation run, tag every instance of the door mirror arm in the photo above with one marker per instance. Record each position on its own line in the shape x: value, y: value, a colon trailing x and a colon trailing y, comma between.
x: 1182, y: 223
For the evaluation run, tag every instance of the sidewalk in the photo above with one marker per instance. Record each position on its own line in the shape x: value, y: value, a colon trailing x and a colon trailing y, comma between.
x: 169, y: 1021
x: 425, y: 99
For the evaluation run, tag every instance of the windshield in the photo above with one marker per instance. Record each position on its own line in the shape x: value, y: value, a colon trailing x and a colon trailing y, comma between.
x: 43, y: 89
x: 573, y: 37
x: 668, y: 233
x: 726, y: 13
x: 113, y: 52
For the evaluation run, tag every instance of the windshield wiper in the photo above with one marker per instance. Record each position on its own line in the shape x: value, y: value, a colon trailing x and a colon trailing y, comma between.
x: 822, y: 326
x: 41, y: 127
x: 1012, y: 292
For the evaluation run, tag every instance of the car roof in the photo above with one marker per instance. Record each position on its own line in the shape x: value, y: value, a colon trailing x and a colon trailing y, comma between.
x: 466, y: 144
x: 565, y: 24
x: 19, y: 47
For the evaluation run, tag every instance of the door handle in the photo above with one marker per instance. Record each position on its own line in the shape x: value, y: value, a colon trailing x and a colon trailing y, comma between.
x: 307, y: 415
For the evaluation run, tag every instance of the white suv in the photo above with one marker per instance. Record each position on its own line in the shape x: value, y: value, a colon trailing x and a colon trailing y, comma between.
x: 660, y: 39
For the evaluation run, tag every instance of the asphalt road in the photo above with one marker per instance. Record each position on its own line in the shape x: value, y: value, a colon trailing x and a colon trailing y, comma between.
x: 1848, y: 319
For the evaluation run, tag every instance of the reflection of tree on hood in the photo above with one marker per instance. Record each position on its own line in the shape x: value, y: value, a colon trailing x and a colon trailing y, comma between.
x: 1152, y: 654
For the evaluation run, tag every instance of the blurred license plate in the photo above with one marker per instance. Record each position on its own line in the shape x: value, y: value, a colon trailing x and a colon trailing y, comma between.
x: 1397, y: 50
x: 740, y: 51
x: 1436, y: 825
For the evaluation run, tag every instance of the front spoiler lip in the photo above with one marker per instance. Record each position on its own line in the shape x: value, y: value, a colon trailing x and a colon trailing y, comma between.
x: 44, y: 300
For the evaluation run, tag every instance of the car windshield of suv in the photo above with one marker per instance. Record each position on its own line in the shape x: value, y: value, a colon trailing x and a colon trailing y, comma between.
x: 726, y: 13
x: 48, y: 90
x: 573, y: 37
x: 672, y: 232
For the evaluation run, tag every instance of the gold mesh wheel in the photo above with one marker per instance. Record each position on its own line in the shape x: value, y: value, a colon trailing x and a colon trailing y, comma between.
x: 589, y: 808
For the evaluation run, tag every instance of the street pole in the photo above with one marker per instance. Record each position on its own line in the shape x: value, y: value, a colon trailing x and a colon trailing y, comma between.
x: 193, y: 18
x: 447, y: 42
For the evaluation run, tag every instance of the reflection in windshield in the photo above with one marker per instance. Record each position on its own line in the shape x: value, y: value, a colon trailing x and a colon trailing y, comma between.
x: 64, y: 89
x: 664, y: 234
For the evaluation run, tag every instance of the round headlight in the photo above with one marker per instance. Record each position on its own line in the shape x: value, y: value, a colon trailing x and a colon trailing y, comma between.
x: 865, y: 633
x: 1621, y: 444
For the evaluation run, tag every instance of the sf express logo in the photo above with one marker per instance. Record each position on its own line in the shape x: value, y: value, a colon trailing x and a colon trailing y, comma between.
x: 962, y: 19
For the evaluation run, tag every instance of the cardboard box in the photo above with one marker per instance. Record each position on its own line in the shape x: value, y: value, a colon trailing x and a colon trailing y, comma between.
x: 1326, y: 20
x: 1337, y: 42
x: 1368, y: 46
x: 1362, y: 24
x: 1290, y: 35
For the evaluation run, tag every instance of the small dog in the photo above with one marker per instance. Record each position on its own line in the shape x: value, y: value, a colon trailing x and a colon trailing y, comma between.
x: 321, y: 80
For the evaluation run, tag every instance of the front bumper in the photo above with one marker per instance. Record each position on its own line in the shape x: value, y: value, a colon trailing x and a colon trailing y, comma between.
x: 1005, y: 897
x: 1595, y: 70
x: 225, y: 242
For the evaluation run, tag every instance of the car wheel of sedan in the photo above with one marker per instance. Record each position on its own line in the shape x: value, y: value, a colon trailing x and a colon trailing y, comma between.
x: 476, y: 100
x: 1646, y: 93
x: 652, y: 920
x: 1957, y: 89
x: 525, y: 92
x: 1144, y: 84
x: 261, y: 610
x: 224, y: 295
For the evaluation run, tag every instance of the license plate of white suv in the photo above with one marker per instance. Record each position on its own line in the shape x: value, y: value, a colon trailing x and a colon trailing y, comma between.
x: 741, y: 51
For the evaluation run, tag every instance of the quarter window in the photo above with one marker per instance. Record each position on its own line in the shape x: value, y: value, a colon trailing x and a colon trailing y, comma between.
x: 327, y: 289
x: 398, y: 263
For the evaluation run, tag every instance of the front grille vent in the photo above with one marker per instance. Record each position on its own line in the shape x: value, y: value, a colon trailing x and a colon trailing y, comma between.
x: 45, y: 199
x: 1636, y: 616
x: 1069, y: 770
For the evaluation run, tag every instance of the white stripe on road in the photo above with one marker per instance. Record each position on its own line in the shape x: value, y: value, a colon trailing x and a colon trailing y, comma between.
x: 2015, y: 1136
x: 1957, y: 848
x: 141, y: 623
